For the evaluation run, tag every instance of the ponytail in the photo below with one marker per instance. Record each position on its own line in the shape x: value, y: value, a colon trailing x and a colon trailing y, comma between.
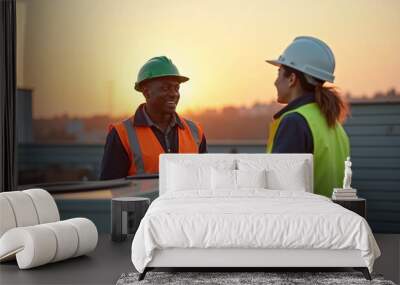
x: 331, y: 104
x: 328, y: 98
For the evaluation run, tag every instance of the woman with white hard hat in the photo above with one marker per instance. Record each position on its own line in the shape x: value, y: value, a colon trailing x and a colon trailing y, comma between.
x: 311, y: 120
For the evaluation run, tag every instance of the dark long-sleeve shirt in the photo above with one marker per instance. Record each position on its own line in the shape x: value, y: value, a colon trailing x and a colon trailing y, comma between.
x: 294, y: 134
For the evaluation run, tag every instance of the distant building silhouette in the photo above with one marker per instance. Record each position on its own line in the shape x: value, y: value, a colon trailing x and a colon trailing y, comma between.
x: 240, y: 123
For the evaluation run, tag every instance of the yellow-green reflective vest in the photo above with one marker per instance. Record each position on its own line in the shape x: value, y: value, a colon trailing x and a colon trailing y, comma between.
x: 331, y: 147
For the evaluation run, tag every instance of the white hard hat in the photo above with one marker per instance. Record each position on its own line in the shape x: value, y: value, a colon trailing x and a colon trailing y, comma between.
x: 311, y: 56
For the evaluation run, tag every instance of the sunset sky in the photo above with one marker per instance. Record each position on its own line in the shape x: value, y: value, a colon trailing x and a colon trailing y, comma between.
x: 81, y: 57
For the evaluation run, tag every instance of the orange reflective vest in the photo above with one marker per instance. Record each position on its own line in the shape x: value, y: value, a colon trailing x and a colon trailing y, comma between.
x: 144, y: 149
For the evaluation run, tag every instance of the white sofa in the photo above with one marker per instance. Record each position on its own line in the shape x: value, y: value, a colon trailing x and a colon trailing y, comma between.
x: 31, y: 231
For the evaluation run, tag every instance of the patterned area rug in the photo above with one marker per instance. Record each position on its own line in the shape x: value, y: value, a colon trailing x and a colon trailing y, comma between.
x: 230, y: 278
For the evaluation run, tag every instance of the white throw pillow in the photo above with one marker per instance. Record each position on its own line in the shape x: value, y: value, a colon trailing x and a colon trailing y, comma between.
x: 282, y: 174
x: 251, y: 178
x: 288, y: 176
x: 183, y: 178
x: 223, y: 179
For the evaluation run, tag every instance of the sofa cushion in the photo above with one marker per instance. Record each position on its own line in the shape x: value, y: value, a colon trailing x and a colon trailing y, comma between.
x: 27, y: 208
x: 23, y: 208
x: 45, y: 205
x: 6, y: 215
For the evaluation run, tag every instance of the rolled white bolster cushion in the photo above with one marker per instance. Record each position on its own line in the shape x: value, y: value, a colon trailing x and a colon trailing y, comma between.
x: 23, y: 208
x: 37, y: 245
x: 67, y: 240
x: 87, y: 235
x: 7, y: 218
x: 45, y: 205
x: 33, y: 246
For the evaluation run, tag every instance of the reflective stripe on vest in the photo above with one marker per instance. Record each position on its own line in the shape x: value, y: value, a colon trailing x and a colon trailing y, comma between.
x: 194, y: 130
x: 135, y: 146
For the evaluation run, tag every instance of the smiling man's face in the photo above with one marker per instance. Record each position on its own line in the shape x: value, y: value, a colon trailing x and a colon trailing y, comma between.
x: 162, y: 95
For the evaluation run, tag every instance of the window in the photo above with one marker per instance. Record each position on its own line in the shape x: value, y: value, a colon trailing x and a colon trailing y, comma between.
x: 77, y: 61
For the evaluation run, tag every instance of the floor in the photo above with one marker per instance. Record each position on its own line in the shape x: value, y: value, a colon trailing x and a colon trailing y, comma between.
x: 388, y: 263
x: 111, y: 259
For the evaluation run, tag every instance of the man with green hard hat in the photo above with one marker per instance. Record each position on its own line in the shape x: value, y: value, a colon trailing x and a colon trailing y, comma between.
x: 133, y: 146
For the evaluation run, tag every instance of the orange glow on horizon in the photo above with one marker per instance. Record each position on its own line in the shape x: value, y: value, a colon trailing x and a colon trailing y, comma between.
x: 89, y: 66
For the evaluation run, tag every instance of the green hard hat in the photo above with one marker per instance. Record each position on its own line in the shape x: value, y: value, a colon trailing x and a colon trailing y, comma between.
x: 156, y: 67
